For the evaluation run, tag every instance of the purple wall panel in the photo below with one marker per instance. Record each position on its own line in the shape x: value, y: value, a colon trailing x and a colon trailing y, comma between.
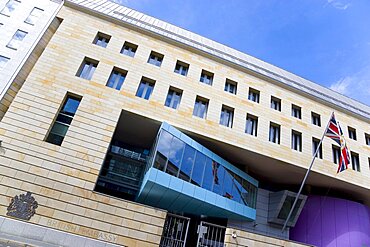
x: 333, y: 222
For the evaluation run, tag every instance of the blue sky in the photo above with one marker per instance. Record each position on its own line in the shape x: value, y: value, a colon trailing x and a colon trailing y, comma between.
x: 325, y: 41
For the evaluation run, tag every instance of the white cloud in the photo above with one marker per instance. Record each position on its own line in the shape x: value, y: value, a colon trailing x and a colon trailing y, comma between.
x: 339, y: 4
x: 356, y: 86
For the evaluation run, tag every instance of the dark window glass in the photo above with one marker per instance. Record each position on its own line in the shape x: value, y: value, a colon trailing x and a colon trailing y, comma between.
x: 352, y: 133
x: 187, y: 163
x: 160, y: 161
x: 197, y: 175
x: 208, y: 175
x: 181, y: 68
x: 227, y: 115
x: 155, y: 59
x: 336, y: 154
x: 173, y: 98
x: 102, y: 39
x: 296, y: 111
x: 116, y: 79
x: 200, y: 107
x: 315, y: 145
x: 297, y: 141
x: 274, y: 135
x: 251, y: 125
x: 129, y: 49
x: 164, y: 143
x: 87, y: 68
x: 355, y: 162
x: 230, y: 86
x: 275, y: 103
x: 206, y: 77
x: 63, y: 120
x: 315, y: 119
x: 218, y: 177
x: 145, y: 89
x: 254, y: 95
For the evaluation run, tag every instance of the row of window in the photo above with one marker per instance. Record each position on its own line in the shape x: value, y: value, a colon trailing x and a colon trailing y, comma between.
x: 206, y: 77
x: 19, y: 35
x: 31, y: 18
x: 173, y: 99
x: 65, y: 116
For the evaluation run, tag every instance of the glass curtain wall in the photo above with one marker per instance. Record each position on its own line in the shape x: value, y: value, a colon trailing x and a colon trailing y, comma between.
x: 179, y: 159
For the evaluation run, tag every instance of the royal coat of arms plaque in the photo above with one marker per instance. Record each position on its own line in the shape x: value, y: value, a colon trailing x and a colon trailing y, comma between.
x: 22, y: 206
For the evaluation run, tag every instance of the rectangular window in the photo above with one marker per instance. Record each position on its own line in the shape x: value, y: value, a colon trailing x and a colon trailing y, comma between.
x: 173, y: 98
x: 3, y: 61
x: 352, y: 133
x: 367, y: 136
x: 254, y: 95
x: 145, y: 88
x: 296, y: 111
x: 230, y: 86
x: 155, y: 58
x: 63, y: 120
x: 16, y: 40
x: 206, y: 77
x: 101, y: 39
x: 275, y: 103
x: 336, y: 154
x: 87, y: 68
x: 181, y: 68
x: 297, y: 140
x: 274, y: 135
x: 315, y: 119
x: 116, y: 79
x: 129, y: 49
x: 315, y: 146
x: 34, y: 16
x: 9, y: 7
x: 200, y: 107
x: 355, y: 161
x: 251, y: 125
x: 227, y: 115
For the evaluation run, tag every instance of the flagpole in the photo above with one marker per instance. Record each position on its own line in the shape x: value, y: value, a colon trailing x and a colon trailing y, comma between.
x: 305, y: 177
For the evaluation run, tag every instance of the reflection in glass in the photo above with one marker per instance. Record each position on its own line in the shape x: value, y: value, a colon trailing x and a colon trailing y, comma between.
x: 187, y: 163
x: 197, y: 175
x: 181, y: 160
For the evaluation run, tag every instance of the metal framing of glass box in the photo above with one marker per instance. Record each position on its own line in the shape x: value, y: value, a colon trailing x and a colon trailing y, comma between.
x: 184, y: 176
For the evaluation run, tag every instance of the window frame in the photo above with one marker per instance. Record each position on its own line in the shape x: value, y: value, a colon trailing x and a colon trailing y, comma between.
x: 181, y: 68
x: 174, y: 92
x: 315, y: 145
x: 352, y: 133
x: 148, y: 85
x: 277, y: 103
x: 355, y: 160
x: 254, y: 95
x: 7, y: 12
x: 316, y: 119
x: 3, y: 61
x: 118, y: 73
x: 105, y: 39
x: 228, y: 86
x: 228, y: 122
x: 29, y: 17
x: 296, y: 111
x: 131, y: 51
x: 206, y: 77
x: 296, y: 141
x: 155, y: 58
x: 275, y: 128
x: 89, y: 72
x: 197, y: 109
x: 15, y: 42
x: 254, y: 122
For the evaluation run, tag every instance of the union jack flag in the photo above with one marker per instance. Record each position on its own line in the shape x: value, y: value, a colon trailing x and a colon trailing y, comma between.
x: 334, y: 132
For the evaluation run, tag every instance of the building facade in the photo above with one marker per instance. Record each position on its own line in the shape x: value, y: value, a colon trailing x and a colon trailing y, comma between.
x: 24, y: 27
x: 130, y: 131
